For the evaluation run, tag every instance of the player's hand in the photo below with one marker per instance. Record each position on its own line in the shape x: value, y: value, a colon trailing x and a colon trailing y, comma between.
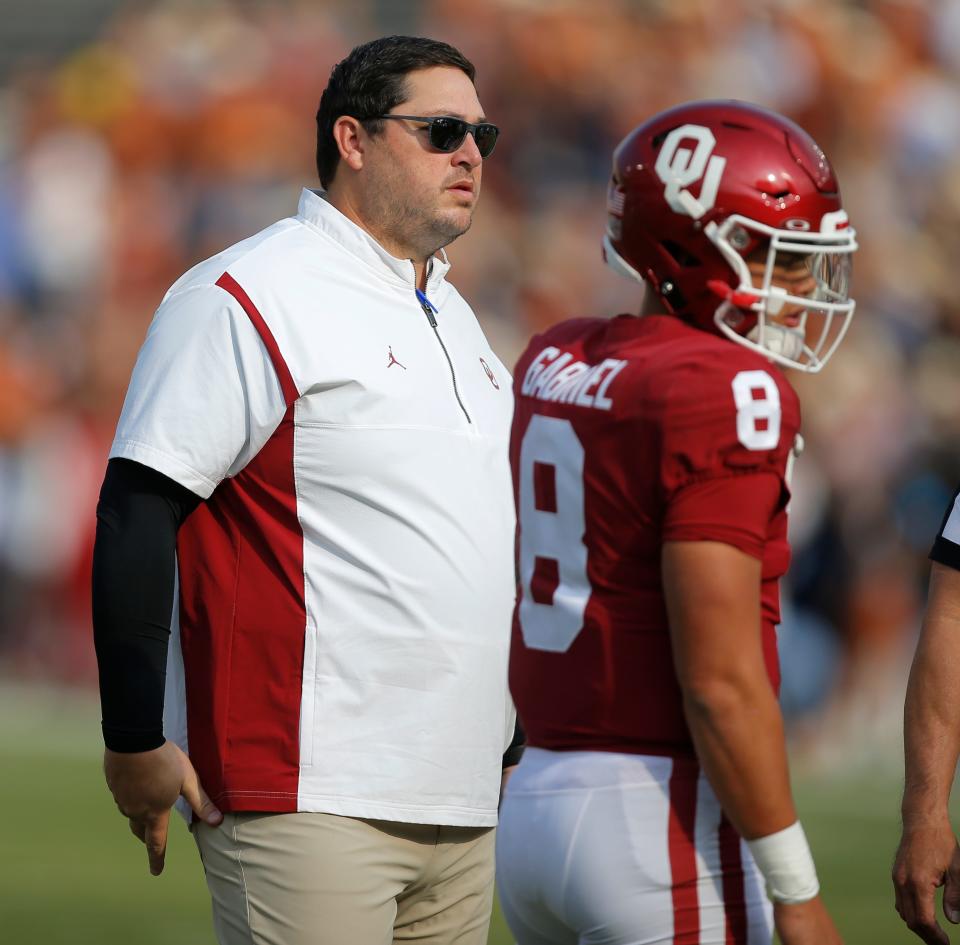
x: 927, y: 857
x: 805, y: 923
x: 146, y: 785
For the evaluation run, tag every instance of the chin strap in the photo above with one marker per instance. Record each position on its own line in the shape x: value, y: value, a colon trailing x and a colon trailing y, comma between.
x: 723, y: 290
x: 779, y: 339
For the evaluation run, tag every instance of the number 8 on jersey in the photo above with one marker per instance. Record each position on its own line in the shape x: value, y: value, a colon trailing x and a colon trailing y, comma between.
x: 555, y: 590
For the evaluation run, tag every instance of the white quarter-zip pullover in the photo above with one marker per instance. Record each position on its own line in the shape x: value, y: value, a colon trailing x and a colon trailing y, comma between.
x: 346, y: 591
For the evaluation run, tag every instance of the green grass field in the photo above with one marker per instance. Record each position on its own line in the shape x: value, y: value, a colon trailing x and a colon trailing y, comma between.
x: 70, y: 872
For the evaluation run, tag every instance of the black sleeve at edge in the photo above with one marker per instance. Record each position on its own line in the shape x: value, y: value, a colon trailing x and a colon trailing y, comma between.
x: 946, y: 552
x: 138, y: 515
x: 515, y: 749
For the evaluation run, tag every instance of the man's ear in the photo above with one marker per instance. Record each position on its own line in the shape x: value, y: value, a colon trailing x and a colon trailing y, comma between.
x: 351, y: 139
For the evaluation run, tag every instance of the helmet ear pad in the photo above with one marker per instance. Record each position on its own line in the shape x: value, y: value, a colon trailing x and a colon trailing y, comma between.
x: 679, y: 258
x: 676, y: 270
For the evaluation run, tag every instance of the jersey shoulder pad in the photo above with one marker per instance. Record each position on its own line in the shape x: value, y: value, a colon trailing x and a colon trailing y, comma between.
x: 723, y: 410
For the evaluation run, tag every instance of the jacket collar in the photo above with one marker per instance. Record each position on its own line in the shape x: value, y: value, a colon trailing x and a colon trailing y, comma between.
x: 316, y: 210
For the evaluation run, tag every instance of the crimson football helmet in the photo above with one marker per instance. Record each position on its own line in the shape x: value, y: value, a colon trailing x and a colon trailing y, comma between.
x: 698, y: 189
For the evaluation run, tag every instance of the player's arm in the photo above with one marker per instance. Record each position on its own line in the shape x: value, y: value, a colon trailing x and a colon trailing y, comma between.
x: 712, y: 592
x: 713, y: 601
x: 928, y: 855
x: 139, y: 513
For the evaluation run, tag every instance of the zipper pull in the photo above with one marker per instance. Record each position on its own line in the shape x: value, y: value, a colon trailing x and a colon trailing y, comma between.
x: 428, y: 308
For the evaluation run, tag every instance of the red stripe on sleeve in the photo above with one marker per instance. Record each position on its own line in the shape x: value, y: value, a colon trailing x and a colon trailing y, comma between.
x: 683, y: 852
x: 731, y: 868
x: 229, y: 284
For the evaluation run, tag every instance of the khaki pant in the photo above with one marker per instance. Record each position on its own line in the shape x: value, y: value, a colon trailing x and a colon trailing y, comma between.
x: 321, y: 879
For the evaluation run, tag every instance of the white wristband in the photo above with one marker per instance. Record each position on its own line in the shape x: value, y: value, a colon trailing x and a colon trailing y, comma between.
x: 785, y: 860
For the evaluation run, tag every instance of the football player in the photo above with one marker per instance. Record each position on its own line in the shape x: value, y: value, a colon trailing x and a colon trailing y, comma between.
x: 650, y: 458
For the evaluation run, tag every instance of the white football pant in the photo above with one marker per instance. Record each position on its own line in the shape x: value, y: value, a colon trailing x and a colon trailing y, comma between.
x: 602, y: 848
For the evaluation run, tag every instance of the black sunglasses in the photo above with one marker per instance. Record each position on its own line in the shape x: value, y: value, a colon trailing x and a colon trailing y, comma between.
x: 447, y: 134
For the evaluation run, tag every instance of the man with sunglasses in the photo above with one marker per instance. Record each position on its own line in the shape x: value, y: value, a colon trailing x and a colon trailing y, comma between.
x: 310, y: 473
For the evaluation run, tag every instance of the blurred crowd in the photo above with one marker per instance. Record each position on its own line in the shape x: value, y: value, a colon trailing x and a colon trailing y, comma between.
x: 186, y: 126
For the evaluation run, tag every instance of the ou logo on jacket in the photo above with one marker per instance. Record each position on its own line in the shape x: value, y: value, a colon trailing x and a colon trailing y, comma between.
x: 680, y: 167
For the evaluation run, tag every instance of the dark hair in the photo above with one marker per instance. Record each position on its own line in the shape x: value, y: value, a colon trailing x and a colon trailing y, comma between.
x: 371, y: 81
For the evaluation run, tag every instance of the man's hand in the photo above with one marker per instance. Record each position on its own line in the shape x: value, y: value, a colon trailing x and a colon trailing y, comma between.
x: 928, y: 857
x: 806, y: 923
x: 146, y: 785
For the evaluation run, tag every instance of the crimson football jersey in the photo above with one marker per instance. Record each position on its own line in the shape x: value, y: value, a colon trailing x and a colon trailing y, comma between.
x: 628, y: 433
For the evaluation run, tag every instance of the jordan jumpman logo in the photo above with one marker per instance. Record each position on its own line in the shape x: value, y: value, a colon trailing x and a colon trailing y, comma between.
x: 393, y: 361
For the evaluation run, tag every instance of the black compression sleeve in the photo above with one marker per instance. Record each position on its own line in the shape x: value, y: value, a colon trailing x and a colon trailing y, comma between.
x: 514, y: 751
x: 138, y: 516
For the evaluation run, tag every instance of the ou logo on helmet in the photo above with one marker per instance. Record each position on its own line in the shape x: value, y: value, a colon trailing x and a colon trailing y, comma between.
x: 680, y: 167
